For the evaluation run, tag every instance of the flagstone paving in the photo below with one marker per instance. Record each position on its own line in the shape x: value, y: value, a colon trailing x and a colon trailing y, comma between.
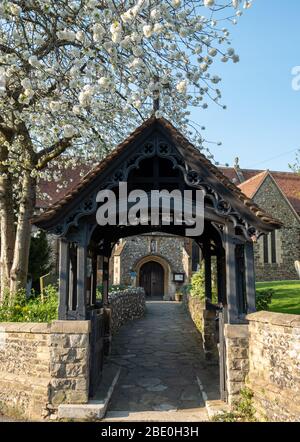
x: 161, y: 358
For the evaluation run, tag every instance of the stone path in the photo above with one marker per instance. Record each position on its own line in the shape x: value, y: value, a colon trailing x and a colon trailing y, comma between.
x: 161, y: 358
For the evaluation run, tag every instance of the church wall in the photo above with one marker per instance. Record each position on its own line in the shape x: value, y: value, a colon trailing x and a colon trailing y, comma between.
x: 166, y: 247
x: 287, y: 238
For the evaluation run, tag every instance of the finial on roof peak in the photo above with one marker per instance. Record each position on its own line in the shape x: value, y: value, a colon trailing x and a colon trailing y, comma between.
x: 236, y: 162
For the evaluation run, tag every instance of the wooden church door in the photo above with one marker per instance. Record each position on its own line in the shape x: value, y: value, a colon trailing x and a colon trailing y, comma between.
x: 152, y: 279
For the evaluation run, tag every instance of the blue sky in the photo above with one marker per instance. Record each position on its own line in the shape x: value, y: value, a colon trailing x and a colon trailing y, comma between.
x: 261, y: 124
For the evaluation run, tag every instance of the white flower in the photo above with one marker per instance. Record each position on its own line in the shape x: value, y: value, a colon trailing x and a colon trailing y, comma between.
x: 104, y: 83
x: 69, y: 131
x: 235, y: 3
x: 137, y: 62
x: 147, y: 31
x: 198, y: 49
x: 76, y: 109
x: 213, y: 52
x: 247, y: 4
x: 176, y: 3
x: 126, y: 43
x: 54, y: 106
x: 15, y: 9
x: 158, y: 28
x: 26, y: 83
x: 98, y: 32
x: 182, y: 87
x: 215, y: 79
x: 33, y: 61
x: 137, y: 104
x: 85, y: 96
x: 116, y: 32
x: 155, y: 14
x: 66, y: 35
x: 29, y: 93
x: 127, y: 16
x: 137, y: 51
x: 80, y: 36
x: 208, y: 3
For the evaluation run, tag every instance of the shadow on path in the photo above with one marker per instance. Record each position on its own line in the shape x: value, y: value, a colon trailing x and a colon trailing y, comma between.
x: 161, y: 357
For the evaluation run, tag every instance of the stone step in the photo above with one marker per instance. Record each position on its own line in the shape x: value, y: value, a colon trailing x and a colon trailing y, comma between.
x: 96, y: 408
x: 192, y: 415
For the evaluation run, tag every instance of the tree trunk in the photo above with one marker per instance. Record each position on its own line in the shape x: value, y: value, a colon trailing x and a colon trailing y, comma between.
x: 18, y: 274
x: 7, y: 228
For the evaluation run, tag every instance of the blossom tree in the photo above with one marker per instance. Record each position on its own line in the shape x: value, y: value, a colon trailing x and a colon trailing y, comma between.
x: 77, y: 75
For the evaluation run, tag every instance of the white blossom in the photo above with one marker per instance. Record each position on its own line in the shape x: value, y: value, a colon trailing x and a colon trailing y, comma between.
x: 147, y: 30
x: 182, y: 87
x: 104, y: 83
x: 69, y: 131
x: 96, y: 66
x: 208, y: 3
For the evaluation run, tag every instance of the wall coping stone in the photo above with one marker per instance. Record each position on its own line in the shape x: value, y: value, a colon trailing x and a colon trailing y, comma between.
x: 236, y: 331
x: 284, y: 319
x: 46, y: 328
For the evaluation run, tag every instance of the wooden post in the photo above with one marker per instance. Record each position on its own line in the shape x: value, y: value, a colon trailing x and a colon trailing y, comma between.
x: 207, y: 269
x: 94, y: 279
x: 64, y: 264
x: 250, y: 277
x: 221, y: 278
x: 105, y: 280
x: 81, y: 280
x: 231, y: 286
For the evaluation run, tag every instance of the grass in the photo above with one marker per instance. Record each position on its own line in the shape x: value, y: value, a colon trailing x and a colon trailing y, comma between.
x: 286, y: 297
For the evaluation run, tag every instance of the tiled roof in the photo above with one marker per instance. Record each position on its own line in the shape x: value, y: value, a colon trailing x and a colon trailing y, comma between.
x: 288, y: 182
x: 187, y: 148
x: 251, y: 186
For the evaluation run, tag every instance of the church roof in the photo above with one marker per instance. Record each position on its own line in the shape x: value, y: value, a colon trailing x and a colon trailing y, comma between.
x: 251, y: 186
x: 288, y: 182
x: 209, y: 172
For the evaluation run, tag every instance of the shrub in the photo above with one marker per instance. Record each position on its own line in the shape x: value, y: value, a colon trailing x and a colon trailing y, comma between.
x: 112, y: 288
x: 32, y: 309
x: 198, y: 284
x: 264, y: 299
x: 242, y: 410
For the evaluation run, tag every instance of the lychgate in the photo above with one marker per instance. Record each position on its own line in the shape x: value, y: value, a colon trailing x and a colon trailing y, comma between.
x: 155, y: 156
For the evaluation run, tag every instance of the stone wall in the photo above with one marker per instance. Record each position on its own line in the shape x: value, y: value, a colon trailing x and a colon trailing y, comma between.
x: 126, y: 305
x: 43, y: 365
x: 274, y: 365
x: 205, y: 322
x: 237, y: 359
x: 288, y: 242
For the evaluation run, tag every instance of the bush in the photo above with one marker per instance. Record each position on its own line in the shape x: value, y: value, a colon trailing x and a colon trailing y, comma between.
x: 112, y: 288
x: 198, y: 284
x: 242, y: 410
x: 264, y: 299
x: 32, y: 309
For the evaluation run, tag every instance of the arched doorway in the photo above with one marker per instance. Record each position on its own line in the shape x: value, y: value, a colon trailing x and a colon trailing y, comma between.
x: 152, y: 279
